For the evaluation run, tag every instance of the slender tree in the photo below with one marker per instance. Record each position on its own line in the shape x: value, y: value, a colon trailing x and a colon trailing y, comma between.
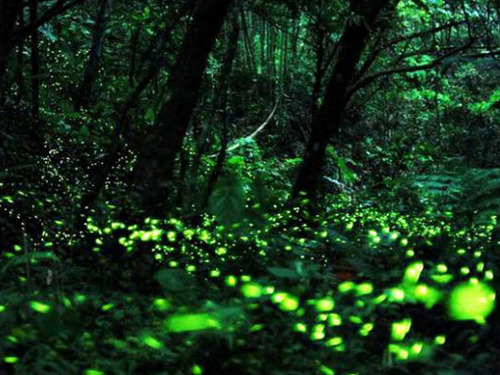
x: 328, y: 118
x: 156, y: 162
x: 83, y: 96
x: 35, y: 61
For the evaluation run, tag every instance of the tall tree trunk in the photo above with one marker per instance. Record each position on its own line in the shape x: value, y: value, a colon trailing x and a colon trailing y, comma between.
x: 83, y: 97
x: 35, y: 61
x: 9, y: 11
x: 156, y: 161
x: 225, y: 75
x: 328, y: 118
x: 21, y: 87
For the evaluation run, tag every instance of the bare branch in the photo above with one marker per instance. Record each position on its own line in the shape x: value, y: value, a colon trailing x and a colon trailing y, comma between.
x: 405, y: 69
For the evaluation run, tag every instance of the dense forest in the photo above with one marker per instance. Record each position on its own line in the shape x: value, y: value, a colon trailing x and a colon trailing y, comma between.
x: 260, y: 187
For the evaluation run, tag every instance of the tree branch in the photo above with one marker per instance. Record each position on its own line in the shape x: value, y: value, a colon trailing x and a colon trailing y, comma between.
x: 58, y: 8
x: 405, y: 69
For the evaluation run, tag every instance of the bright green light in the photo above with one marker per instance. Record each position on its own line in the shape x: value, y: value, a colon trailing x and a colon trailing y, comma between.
x: 470, y: 301
x: 93, y: 372
x: 192, y: 322
x: 396, y: 294
x: 325, y: 304
x: 11, y: 360
x: 231, y: 281
x: 40, y: 307
x: 440, y: 340
x: 300, y: 327
x: 291, y: 303
x: 365, y: 288
x: 326, y: 370
x: 346, y: 286
x: 251, y: 290
x: 196, y: 370
x: 152, y: 342
x: 334, y: 341
x: 413, y: 272
x: 334, y: 320
x: 400, y: 329
x: 161, y: 304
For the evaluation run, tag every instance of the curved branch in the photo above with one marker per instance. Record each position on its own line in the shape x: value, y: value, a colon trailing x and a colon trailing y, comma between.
x: 405, y: 69
x: 257, y: 131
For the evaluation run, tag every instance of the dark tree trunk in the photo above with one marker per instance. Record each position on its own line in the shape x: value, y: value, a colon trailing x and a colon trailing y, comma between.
x: 21, y: 87
x: 328, y: 118
x: 83, y: 97
x: 157, y: 158
x: 225, y: 75
x: 122, y: 129
x: 9, y: 11
x: 35, y: 61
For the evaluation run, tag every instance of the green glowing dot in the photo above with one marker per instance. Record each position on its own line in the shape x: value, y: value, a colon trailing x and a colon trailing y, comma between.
x: 355, y: 319
x: 221, y: 251
x: 317, y: 335
x: 290, y: 303
x: 300, y: 327
x: 403, y: 242
x: 196, y: 370
x: 334, y: 341
x: 2, y: 308
x: 256, y: 328
x: 11, y: 360
x: 93, y: 372
x: 396, y: 294
x: 192, y: 322
x: 231, y: 280
x: 162, y: 304
x: 400, y: 329
x: 488, y: 275
x: 442, y: 268
x: 365, y: 288
x: 326, y: 370
x: 215, y: 273
x: 416, y: 348
x: 40, y: 307
x: 464, y: 271
x: 472, y: 302
x: 410, y: 253
x: 107, y: 307
x: 346, y: 286
x: 152, y: 342
x: 440, y: 340
x: 325, y: 304
x: 251, y: 290
x: 171, y: 236
x: 442, y: 279
x: 413, y: 272
x: 334, y: 320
